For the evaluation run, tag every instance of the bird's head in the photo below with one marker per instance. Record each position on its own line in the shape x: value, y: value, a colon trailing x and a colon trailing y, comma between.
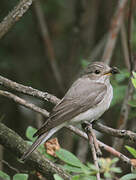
x: 100, y: 70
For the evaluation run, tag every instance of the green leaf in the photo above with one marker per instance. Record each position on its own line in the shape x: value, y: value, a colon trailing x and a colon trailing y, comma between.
x: 134, y: 74
x: 83, y: 177
x: 124, y: 74
x: 107, y: 175
x: 84, y: 63
x: 75, y: 177
x: 57, y: 177
x: 119, y: 93
x: 88, y: 178
x: 132, y: 103
x: 30, y: 132
x: 128, y: 177
x: 133, y: 82
x: 69, y: 158
x: 131, y: 150
x: 86, y: 170
x: 115, y: 169
x: 92, y: 167
x: 4, y: 175
x: 72, y: 168
x: 114, y: 160
x: 20, y: 177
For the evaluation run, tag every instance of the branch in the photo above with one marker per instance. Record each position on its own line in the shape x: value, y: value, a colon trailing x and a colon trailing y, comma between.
x: 28, y: 90
x: 9, y: 166
x: 130, y: 14
x: 87, y: 127
x: 111, y: 150
x: 15, y: 144
x: 115, y: 132
x: 14, y: 16
x: 125, y: 45
x: 24, y: 103
x: 48, y: 43
x: 113, y: 32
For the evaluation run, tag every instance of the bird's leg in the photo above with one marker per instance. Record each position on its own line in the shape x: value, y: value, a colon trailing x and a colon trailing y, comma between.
x: 87, y: 126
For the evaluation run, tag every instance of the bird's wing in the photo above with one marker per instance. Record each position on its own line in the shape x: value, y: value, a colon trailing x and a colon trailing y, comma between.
x: 82, y: 95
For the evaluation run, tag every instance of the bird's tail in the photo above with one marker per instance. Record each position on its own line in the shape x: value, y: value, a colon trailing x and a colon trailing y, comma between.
x: 41, y: 139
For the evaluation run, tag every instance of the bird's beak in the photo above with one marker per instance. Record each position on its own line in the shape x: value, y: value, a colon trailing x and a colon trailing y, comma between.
x: 113, y: 70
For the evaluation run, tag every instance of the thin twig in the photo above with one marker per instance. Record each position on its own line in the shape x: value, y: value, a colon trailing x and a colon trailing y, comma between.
x: 48, y: 43
x: 125, y: 45
x: 130, y: 14
x: 126, y: 134
x: 98, y: 151
x: 14, y: 16
x: 113, y: 32
x: 28, y: 90
x: 11, y: 167
x: 24, y: 103
x: 97, y: 50
x: 88, y: 129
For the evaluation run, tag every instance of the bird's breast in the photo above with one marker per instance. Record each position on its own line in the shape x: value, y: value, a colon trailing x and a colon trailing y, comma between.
x: 95, y: 112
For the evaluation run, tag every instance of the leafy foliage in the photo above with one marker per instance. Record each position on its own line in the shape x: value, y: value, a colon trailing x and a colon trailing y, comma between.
x: 131, y: 150
x: 88, y: 171
x: 20, y: 177
x: 15, y: 177
x: 128, y: 176
x: 119, y: 87
x: 68, y: 158
x: 30, y: 132
x: 4, y: 175
x: 133, y: 79
x: 106, y: 167
x: 57, y: 177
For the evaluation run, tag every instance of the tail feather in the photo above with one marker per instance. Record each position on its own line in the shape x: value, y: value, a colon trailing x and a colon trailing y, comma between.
x: 41, y: 139
x: 36, y: 143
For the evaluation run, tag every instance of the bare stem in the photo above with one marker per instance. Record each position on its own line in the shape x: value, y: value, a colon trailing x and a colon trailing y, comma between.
x: 115, y: 132
x: 14, y: 16
x: 88, y: 129
x: 48, y: 43
x: 24, y: 103
x: 113, y: 32
x: 28, y: 90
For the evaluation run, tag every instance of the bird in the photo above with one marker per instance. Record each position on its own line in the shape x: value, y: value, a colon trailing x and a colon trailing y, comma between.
x: 86, y: 100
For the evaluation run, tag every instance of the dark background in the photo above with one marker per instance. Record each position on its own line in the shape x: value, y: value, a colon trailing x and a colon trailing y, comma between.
x: 75, y: 29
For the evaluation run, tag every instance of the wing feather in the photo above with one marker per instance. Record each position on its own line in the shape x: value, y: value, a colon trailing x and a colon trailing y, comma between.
x: 82, y: 95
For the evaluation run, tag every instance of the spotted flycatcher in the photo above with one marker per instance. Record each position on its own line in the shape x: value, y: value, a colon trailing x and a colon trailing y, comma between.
x: 86, y: 100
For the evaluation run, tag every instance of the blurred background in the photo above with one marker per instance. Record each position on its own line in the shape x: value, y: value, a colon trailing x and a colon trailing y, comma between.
x: 48, y: 48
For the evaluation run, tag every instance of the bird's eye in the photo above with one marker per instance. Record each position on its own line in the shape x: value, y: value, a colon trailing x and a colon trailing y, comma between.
x: 97, y: 71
